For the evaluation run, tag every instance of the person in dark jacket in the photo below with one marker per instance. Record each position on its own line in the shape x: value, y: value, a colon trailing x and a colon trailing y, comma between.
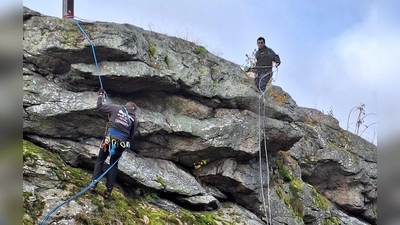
x: 264, y: 58
x: 122, y: 126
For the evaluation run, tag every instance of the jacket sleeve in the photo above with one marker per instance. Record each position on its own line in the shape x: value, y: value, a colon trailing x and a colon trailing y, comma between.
x: 257, y: 54
x: 133, y: 128
x: 102, y: 105
x: 276, y: 58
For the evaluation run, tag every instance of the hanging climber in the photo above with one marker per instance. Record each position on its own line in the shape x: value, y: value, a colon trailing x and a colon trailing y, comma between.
x: 121, y: 128
x: 264, y: 58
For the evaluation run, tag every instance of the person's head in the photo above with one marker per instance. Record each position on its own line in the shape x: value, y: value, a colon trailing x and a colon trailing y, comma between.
x: 260, y: 42
x: 131, y: 105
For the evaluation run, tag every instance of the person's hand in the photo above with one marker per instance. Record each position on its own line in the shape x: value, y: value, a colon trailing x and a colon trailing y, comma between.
x: 101, y: 91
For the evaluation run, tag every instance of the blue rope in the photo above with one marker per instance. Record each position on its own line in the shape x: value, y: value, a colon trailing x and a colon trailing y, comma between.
x: 93, y: 51
x: 101, y: 85
x: 78, y: 194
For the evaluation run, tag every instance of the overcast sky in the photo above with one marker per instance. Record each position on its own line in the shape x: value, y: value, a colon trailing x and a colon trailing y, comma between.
x: 328, y: 48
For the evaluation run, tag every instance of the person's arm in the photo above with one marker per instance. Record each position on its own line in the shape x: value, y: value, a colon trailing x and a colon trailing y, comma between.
x: 133, y: 129
x: 256, y: 56
x: 277, y: 60
x: 276, y: 57
x: 101, y: 103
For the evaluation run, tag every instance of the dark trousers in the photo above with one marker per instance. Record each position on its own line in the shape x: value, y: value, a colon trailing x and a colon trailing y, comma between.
x: 112, y: 173
x: 262, y: 80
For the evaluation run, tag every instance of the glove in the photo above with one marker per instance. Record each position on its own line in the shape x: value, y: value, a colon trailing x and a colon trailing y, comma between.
x: 101, y: 91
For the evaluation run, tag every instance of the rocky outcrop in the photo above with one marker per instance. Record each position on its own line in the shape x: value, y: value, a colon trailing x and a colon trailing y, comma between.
x: 194, y: 106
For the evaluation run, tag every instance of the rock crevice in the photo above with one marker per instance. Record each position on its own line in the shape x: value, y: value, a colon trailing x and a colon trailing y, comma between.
x: 195, y: 109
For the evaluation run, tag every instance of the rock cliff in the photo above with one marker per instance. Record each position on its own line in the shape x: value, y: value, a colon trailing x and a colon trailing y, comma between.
x: 194, y: 106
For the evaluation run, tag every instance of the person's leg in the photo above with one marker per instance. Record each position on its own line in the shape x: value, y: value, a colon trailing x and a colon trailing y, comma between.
x: 264, y: 80
x: 98, y: 165
x: 258, y: 81
x: 112, y: 174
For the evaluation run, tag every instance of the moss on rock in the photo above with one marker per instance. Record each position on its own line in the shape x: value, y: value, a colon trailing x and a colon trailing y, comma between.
x: 319, y: 200
x: 121, y: 207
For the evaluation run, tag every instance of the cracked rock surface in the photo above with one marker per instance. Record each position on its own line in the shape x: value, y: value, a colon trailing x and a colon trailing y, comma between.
x: 194, y: 106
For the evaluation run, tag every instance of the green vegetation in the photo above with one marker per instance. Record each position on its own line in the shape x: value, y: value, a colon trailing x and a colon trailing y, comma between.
x: 70, y: 38
x: 309, y: 159
x: 285, y: 173
x: 339, y: 149
x: 120, y: 208
x: 296, y: 186
x: 280, y: 192
x: 297, y: 207
x: 375, y: 211
x: 32, y: 209
x: 199, y: 218
x: 319, y: 200
x: 161, y: 181
x: 213, y: 70
x: 201, y: 50
x: 344, y: 138
x: 333, y: 145
x: 166, y: 61
x: 286, y: 200
x: 72, y: 34
x: 152, y: 50
x: 330, y: 221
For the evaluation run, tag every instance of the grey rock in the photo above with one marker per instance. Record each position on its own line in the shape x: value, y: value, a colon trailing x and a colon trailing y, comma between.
x: 193, y: 107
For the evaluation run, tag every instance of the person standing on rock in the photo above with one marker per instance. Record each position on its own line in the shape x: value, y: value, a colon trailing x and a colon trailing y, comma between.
x: 122, y: 125
x: 264, y: 59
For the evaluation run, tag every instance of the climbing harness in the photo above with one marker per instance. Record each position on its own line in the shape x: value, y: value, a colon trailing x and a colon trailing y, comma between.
x: 101, y: 85
x: 261, y: 129
x: 112, y: 131
x: 200, y: 163
x: 110, y: 144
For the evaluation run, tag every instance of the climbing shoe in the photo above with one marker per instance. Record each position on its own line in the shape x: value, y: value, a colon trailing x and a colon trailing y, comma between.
x: 93, y: 188
x: 107, y: 194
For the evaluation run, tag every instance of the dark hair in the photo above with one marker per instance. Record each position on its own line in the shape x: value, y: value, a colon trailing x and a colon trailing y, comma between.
x: 261, y: 39
x: 131, y: 104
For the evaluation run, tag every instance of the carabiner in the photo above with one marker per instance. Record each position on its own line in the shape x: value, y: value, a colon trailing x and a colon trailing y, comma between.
x: 122, y: 143
x: 113, y: 142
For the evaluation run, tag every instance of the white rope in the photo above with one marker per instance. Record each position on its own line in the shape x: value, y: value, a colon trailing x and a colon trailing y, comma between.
x: 262, y: 122
x: 268, y: 177
x: 260, y: 160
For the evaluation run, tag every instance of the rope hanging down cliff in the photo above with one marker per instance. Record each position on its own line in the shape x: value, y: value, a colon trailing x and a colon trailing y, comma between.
x: 262, y: 136
x: 109, y: 168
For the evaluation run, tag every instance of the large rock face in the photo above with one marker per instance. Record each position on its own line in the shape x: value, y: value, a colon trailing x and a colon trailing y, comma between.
x: 194, y: 106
